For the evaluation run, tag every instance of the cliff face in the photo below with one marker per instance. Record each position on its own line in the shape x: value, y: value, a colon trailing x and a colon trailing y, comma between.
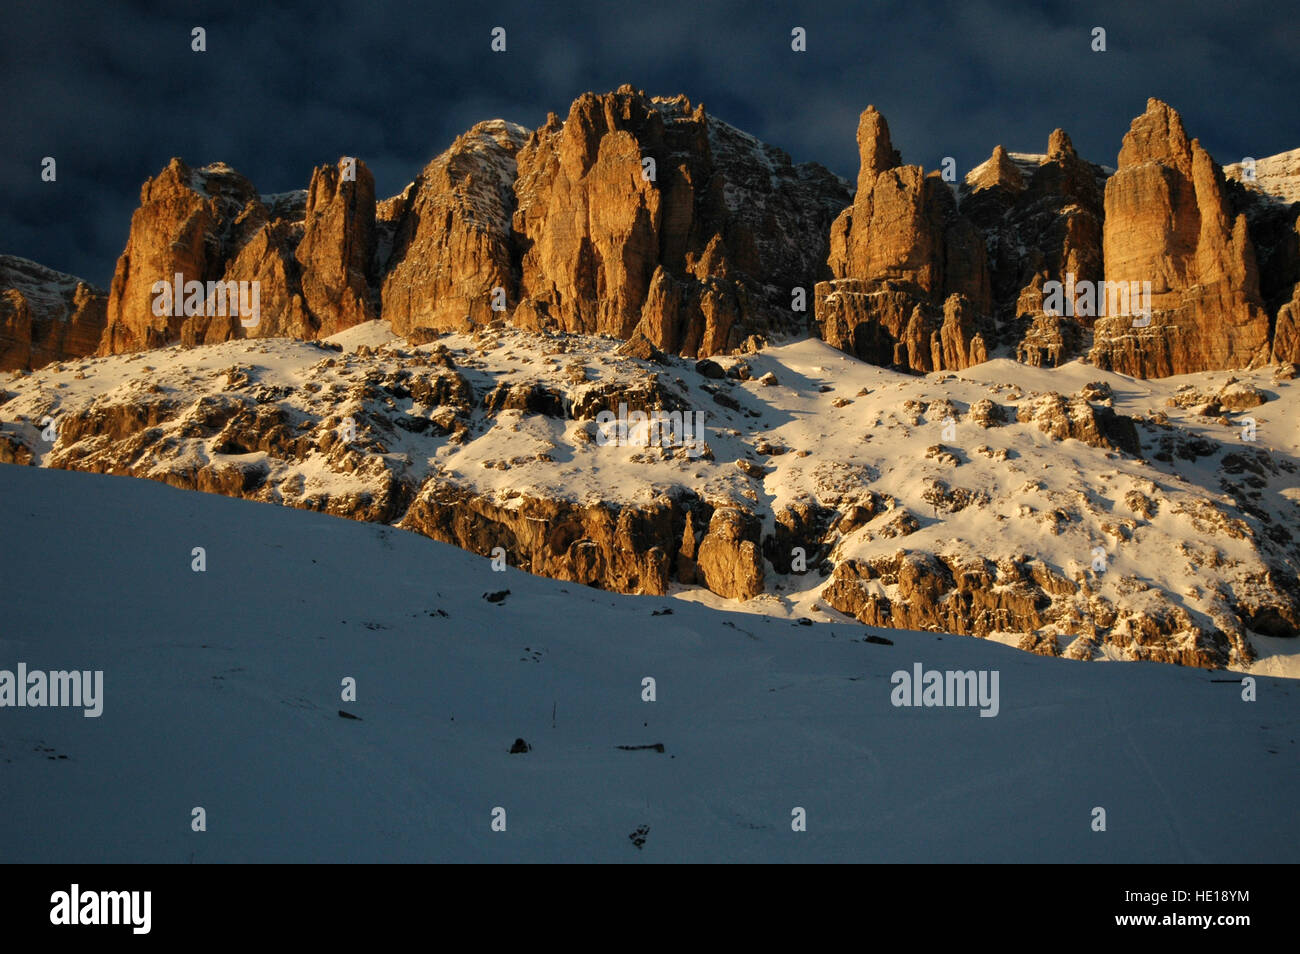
x: 648, y: 215
x: 452, y: 243
x: 1041, y: 217
x: 1026, y: 230
x: 177, y: 229
x: 632, y: 215
x: 310, y: 253
x: 1168, y: 222
x: 46, y: 315
x: 903, y: 227
x: 910, y: 272
x: 337, y: 246
x: 646, y: 218
x: 1270, y: 200
x: 1286, y: 335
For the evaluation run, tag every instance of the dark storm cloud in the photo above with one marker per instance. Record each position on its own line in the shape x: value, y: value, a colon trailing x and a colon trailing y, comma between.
x: 112, y: 93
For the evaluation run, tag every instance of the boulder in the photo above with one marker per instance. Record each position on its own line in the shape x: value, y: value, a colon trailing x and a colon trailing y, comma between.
x: 730, y: 562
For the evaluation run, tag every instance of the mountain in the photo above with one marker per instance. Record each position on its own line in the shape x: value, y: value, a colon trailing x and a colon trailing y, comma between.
x: 1169, y: 222
x: 633, y: 215
x: 222, y: 690
x: 45, y: 315
x: 309, y: 252
x: 647, y: 218
x: 915, y: 409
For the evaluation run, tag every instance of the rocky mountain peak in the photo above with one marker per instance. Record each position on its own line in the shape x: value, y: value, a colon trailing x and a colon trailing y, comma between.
x: 1169, y: 224
x: 875, y: 149
x: 1059, y: 145
x: 451, y: 239
x: 998, y: 170
x: 1157, y: 136
x: 645, y: 217
x: 337, y: 246
x: 897, y: 255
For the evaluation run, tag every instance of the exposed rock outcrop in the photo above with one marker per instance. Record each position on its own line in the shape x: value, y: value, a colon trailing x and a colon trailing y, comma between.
x: 1166, y: 217
x: 487, y: 441
x: 452, y: 243
x: 1041, y: 216
x: 627, y: 549
x: 1077, y: 418
x: 183, y: 226
x: 46, y: 315
x: 1286, y: 335
x: 1168, y: 222
x: 803, y: 526
x: 898, y: 256
x: 337, y: 246
x: 633, y: 215
x: 999, y: 173
x: 648, y: 215
x: 978, y: 597
x: 645, y: 217
x: 729, y: 561
x: 268, y: 259
x: 310, y: 253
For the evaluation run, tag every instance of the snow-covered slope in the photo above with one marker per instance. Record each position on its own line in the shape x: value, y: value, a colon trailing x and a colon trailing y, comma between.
x: 1277, y: 176
x: 47, y: 291
x: 1194, y: 533
x: 222, y: 691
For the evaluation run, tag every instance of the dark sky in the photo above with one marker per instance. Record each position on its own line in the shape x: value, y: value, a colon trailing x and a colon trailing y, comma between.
x: 113, y: 90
